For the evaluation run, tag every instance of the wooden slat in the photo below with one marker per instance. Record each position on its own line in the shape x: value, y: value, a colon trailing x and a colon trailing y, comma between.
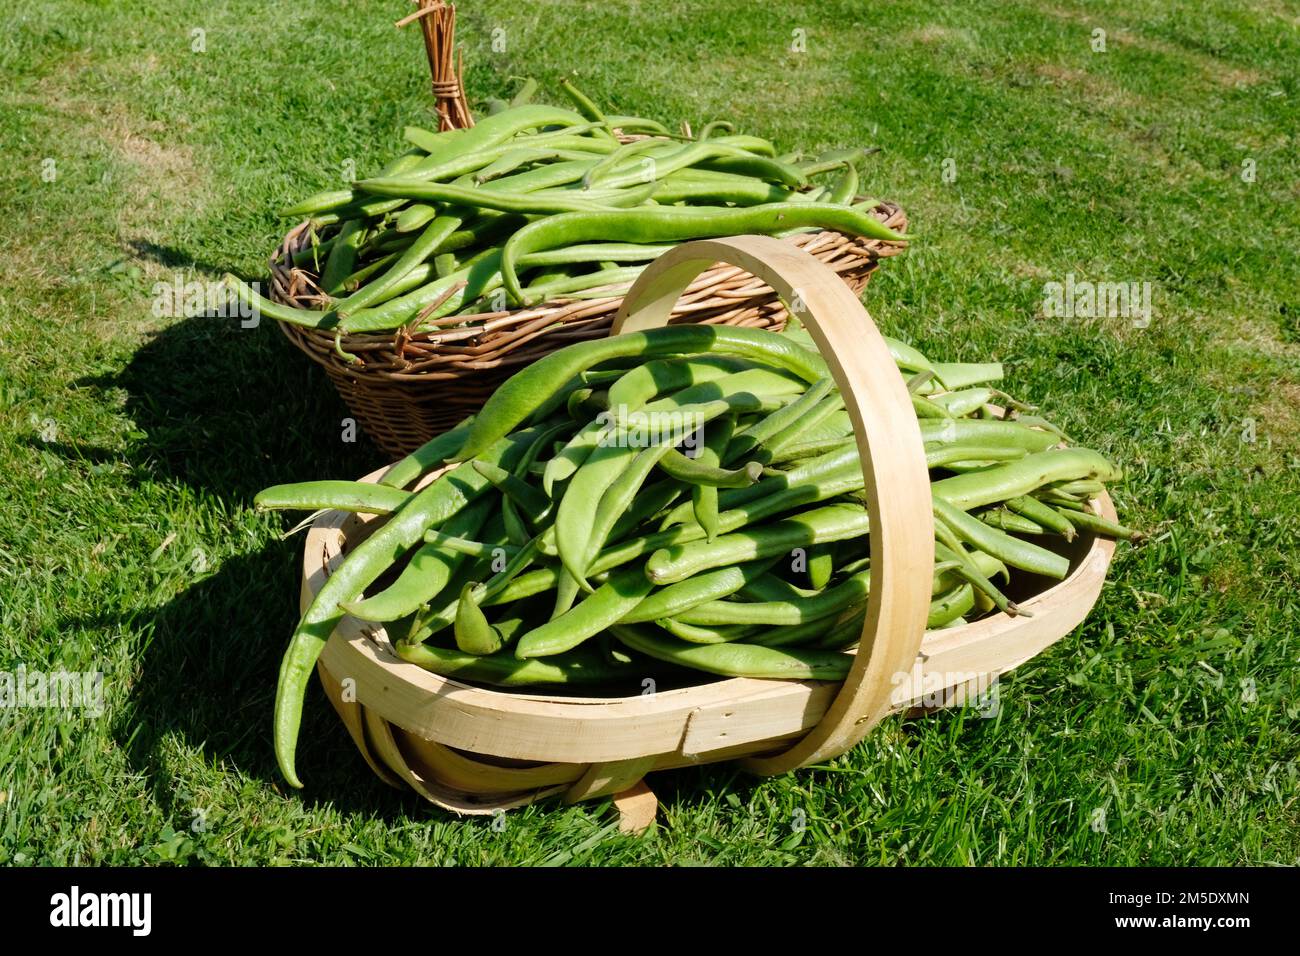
x: 603, y: 779
x: 637, y: 807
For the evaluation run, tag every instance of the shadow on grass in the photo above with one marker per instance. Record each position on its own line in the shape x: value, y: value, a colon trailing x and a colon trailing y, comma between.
x: 172, y: 258
x: 226, y: 411
x: 229, y: 410
x: 208, y: 673
x: 684, y: 789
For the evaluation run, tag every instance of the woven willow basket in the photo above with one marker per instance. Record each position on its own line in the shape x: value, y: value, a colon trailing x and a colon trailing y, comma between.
x: 474, y: 750
x: 407, y: 388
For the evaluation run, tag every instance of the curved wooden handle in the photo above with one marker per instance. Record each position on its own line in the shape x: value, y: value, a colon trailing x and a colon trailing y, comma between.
x: 889, y: 444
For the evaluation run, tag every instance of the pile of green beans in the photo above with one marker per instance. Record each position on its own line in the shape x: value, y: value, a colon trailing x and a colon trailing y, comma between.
x: 682, y: 499
x: 539, y: 203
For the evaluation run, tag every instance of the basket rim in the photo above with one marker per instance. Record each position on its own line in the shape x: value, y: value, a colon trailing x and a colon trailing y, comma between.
x: 360, y: 644
x: 374, y: 634
x: 283, y: 272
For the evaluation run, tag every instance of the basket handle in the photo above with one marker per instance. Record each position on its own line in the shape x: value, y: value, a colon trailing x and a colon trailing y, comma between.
x: 889, y: 444
x: 446, y: 65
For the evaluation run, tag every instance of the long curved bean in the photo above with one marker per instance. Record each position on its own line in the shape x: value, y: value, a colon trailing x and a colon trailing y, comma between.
x: 1023, y: 476
x: 734, y: 659
x: 710, y: 586
x: 514, y: 401
x: 443, y: 498
x: 828, y: 602
x: 829, y: 523
x: 1015, y: 552
x: 672, y: 224
x: 613, y: 599
x: 504, y: 670
x: 695, y: 472
x: 358, y: 497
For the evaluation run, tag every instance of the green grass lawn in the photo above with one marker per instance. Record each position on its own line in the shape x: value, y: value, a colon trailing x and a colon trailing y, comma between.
x: 131, y: 444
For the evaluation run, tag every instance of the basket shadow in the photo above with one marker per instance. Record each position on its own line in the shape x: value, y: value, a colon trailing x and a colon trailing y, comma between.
x: 94, y: 455
x: 207, y: 677
x: 172, y: 258
x: 706, y: 785
x: 231, y: 410
x: 208, y: 674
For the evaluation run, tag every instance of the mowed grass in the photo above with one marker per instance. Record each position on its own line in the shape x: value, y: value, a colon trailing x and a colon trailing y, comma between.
x: 1163, y: 731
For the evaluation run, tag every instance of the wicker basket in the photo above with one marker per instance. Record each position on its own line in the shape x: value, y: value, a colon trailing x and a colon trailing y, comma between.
x: 408, y: 388
x: 473, y: 750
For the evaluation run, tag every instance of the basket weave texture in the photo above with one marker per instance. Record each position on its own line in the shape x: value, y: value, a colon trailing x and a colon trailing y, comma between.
x: 409, y: 387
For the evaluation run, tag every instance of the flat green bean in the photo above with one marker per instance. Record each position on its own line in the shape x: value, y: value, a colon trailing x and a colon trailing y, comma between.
x: 441, y: 499
x: 513, y: 402
x: 831, y: 601
x: 1015, y: 552
x: 616, y: 597
x: 1023, y: 476
x: 673, y: 224
x: 828, y: 523
x: 733, y: 659
x: 358, y: 497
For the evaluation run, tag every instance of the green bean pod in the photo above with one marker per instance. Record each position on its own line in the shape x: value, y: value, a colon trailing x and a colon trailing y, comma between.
x: 641, y: 384
x: 967, y: 431
x: 415, y: 216
x: 1023, y: 476
x: 852, y: 591
x: 757, y: 435
x: 673, y: 224
x: 262, y: 306
x: 530, y: 203
x: 1033, y: 509
x: 950, y: 606
x: 514, y: 401
x: 343, y: 256
x: 959, y: 375
x: 431, y: 454
x: 709, y: 586
x: 588, y: 108
x: 695, y: 634
x: 829, y: 523
x: 490, y: 132
x: 581, y: 667
x: 695, y: 472
x: 821, y: 566
x: 733, y: 659
x: 533, y: 501
x: 1005, y: 520
x: 1087, y: 521
x: 1015, y: 552
x: 474, y: 634
x: 358, y: 497
x: 615, y: 468
x: 441, y: 499
x: 616, y: 597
